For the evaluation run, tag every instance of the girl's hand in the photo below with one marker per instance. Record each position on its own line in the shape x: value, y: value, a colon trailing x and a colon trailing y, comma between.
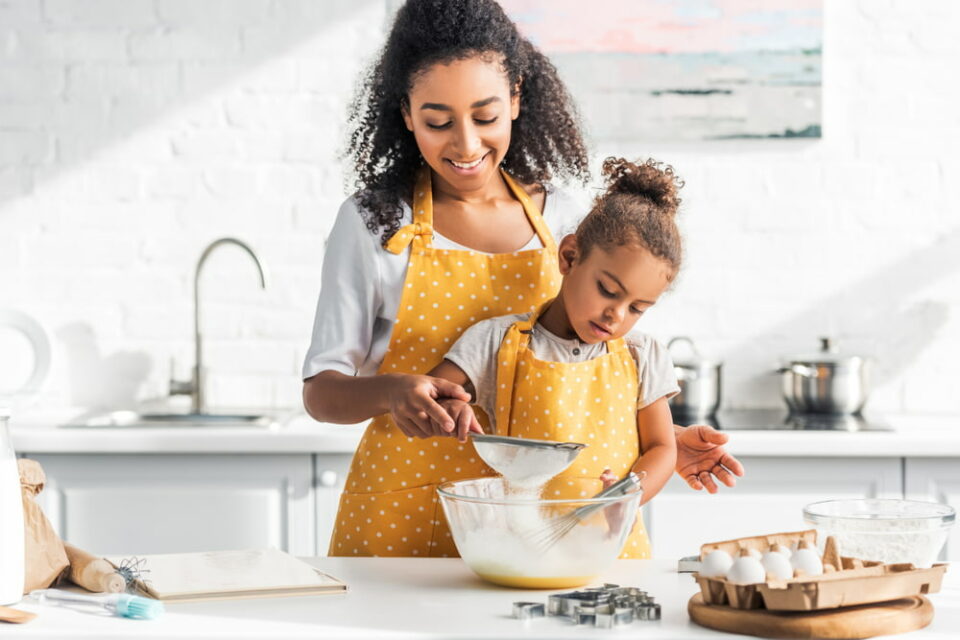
x: 414, y: 407
x: 463, y: 416
x: 608, y: 478
x: 701, y: 456
x: 613, y: 512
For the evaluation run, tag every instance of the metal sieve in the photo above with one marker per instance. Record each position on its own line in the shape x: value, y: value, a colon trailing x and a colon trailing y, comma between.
x: 524, y: 461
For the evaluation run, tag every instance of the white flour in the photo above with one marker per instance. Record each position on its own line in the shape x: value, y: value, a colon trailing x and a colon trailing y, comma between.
x: 507, y: 549
x: 524, y: 467
x: 907, y: 540
x: 507, y: 539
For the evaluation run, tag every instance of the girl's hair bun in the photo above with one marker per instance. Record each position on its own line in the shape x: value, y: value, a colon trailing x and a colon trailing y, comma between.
x: 650, y: 179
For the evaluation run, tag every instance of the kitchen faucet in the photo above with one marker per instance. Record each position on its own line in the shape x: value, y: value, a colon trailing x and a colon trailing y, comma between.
x: 195, y: 387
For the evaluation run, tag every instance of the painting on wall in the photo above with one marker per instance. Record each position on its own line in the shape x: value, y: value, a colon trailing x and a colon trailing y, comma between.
x: 681, y: 70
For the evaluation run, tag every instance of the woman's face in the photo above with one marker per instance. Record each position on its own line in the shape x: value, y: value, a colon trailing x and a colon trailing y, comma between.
x: 461, y: 114
x: 605, y: 293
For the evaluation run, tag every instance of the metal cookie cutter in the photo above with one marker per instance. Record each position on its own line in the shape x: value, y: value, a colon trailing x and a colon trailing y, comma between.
x: 528, y: 610
x: 601, y: 607
x: 647, y: 611
x: 586, y: 614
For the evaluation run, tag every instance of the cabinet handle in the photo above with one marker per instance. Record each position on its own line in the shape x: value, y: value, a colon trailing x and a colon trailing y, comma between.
x: 328, y: 478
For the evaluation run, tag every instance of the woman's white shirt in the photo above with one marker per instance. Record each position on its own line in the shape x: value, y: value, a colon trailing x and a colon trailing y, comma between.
x: 361, y: 284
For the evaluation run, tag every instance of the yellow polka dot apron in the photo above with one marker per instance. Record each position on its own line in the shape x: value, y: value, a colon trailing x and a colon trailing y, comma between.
x: 594, y: 402
x: 389, y: 506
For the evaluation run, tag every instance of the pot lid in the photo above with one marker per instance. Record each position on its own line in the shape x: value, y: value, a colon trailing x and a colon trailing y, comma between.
x: 829, y: 354
x: 692, y: 359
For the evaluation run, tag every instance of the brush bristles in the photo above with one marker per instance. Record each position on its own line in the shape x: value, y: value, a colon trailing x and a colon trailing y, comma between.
x: 139, y: 608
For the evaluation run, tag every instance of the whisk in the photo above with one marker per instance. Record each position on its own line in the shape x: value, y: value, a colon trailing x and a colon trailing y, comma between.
x: 556, y: 528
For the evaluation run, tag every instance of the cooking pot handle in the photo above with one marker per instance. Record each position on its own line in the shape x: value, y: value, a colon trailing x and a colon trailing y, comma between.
x: 684, y: 339
x: 685, y: 373
x: 800, y: 370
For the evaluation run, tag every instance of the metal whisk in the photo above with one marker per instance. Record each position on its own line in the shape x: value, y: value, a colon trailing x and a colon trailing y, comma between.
x: 557, y: 528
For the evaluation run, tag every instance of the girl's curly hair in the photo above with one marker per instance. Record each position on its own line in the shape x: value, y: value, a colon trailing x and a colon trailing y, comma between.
x: 639, y: 207
x: 546, y: 140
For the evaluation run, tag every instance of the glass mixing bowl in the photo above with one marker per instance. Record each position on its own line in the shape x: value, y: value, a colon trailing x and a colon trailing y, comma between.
x: 890, y: 531
x: 536, y: 539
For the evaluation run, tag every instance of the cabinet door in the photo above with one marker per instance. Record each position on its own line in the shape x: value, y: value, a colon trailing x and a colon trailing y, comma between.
x: 769, y: 498
x: 936, y: 480
x: 330, y: 476
x: 142, y: 504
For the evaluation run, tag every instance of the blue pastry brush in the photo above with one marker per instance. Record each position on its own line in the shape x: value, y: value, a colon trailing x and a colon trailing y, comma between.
x: 119, y: 604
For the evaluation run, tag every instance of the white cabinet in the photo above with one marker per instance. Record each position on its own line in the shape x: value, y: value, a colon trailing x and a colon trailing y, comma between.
x: 330, y: 474
x: 153, y: 503
x: 769, y: 498
x: 936, y: 480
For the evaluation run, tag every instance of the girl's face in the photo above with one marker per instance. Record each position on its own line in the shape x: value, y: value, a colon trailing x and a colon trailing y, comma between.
x: 606, y: 293
x: 461, y: 114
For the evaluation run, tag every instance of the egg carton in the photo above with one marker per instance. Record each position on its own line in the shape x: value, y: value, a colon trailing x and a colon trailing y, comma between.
x: 847, y: 582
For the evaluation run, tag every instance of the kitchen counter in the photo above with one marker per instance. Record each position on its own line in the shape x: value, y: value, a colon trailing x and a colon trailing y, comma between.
x: 416, y: 598
x: 909, y: 435
x: 293, y: 433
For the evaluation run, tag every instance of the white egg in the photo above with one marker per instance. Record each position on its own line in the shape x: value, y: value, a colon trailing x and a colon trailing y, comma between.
x: 808, y: 561
x: 755, y: 553
x: 746, y: 570
x: 777, y: 565
x: 782, y: 550
x: 716, y: 564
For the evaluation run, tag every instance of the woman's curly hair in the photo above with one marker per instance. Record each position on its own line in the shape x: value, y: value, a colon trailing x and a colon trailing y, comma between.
x: 639, y: 207
x: 546, y: 140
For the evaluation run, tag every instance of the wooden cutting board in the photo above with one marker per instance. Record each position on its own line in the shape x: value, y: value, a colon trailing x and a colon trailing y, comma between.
x: 864, y: 621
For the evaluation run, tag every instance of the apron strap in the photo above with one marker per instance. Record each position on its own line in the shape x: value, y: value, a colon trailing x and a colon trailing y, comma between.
x: 534, y: 215
x: 617, y: 346
x: 422, y: 226
x: 515, y: 340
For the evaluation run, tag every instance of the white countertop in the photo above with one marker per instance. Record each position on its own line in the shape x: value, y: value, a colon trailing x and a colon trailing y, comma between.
x: 911, y: 435
x: 417, y: 598
x: 293, y: 433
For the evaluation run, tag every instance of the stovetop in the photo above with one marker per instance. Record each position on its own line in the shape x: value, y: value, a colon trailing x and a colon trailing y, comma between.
x: 781, y: 420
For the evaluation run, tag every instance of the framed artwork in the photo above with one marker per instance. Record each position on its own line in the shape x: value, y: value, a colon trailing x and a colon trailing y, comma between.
x: 684, y: 70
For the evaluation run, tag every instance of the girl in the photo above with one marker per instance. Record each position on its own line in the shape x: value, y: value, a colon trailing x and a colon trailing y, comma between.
x: 458, y: 131
x: 565, y: 372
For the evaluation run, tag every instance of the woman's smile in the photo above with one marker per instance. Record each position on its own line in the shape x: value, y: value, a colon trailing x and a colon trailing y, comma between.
x: 467, y: 168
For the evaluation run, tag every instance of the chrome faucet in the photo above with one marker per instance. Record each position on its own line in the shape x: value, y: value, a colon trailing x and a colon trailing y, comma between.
x: 195, y: 387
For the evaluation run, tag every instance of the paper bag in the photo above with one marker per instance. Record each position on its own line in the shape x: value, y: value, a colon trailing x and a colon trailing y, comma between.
x: 45, y: 556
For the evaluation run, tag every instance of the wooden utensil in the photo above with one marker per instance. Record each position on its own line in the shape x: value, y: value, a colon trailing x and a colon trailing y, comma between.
x: 864, y: 621
x: 15, y: 616
x: 93, y: 573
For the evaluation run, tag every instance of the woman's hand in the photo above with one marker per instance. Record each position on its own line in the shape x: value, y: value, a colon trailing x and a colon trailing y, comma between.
x: 463, y: 416
x: 701, y: 456
x: 414, y: 407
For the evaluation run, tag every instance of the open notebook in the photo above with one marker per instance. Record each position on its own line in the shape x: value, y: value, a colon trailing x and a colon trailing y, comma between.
x: 220, y: 575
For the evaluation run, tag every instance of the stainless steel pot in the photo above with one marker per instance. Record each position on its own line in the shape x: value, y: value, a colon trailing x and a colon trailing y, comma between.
x: 699, y: 380
x: 825, y: 382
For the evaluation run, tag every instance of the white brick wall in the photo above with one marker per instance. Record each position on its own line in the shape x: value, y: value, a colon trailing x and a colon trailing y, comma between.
x: 133, y: 132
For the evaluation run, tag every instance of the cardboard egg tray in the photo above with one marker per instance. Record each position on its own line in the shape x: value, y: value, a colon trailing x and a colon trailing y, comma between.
x: 854, y: 581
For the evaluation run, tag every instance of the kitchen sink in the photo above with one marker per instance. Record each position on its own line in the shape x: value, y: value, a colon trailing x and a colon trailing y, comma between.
x: 133, y: 419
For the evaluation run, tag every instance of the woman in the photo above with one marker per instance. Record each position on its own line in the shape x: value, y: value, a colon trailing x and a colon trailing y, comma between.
x: 458, y: 131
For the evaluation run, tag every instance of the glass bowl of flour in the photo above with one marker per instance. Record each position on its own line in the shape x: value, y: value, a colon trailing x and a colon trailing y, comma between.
x: 889, y: 531
x: 541, y: 537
